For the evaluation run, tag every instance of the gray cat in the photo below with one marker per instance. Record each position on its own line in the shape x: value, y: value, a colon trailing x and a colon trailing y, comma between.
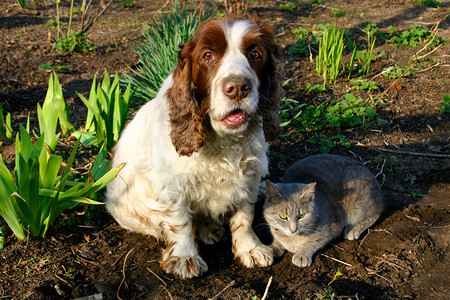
x: 319, y: 198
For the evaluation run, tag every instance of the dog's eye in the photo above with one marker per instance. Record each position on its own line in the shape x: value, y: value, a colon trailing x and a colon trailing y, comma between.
x: 255, y: 55
x: 208, y: 56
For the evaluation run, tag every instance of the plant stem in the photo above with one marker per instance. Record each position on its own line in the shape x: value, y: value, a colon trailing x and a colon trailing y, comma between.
x: 70, y: 18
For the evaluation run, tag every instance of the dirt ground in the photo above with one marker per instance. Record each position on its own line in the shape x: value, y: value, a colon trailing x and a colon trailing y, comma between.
x: 404, y: 255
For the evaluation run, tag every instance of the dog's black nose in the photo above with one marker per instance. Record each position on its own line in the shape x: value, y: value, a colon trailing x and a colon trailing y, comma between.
x: 236, y: 88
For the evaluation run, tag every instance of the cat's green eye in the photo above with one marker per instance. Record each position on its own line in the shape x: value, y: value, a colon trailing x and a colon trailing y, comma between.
x: 283, y: 217
x: 301, y: 216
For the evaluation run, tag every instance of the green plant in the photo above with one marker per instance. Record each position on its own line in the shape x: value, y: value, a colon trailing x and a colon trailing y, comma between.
x: 331, y: 47
x: 53, y: 109
x: 22, y: 4
x: 74, y: 42
x: 5, y: 127
x: 315, y: 3
x: 288, y: 6
x: 326, y: 144
x: 395, y: 72
x: 2, y: 238
x: 158, y: 53
x: 363, y: 84
x: 317, y: 88
x: 349, y: 112
x: 107, y: 112
x: 36, y: 195
x: 413, y: 37
x: 430, y: 3
x: 445, y: 104
x: 302, y: 32
x: 351, y: 63
x: 336, y: 12
x: 301, y: 47
x: 372, y: 30
x: 305, y: 39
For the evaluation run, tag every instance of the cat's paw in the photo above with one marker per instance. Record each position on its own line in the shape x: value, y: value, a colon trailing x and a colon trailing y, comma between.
x: 301, y: 260
x: 260, y: 256
x: 352, y: 234
x: 210, y: 232
x: 277, y: 252
x: 185, y: 266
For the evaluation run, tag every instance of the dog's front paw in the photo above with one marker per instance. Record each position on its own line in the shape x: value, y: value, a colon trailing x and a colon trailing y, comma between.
x: 184, y: 267
x: 260, y: 256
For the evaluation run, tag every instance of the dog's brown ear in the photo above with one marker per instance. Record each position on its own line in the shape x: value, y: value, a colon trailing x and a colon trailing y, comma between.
x: 271, y: 90
x: 187, y: 130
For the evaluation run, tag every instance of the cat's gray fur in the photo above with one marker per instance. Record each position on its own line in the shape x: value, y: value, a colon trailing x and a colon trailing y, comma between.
x: 334, y: 193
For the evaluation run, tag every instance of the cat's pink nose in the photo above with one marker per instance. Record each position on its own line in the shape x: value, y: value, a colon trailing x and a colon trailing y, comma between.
x: 293, y: 230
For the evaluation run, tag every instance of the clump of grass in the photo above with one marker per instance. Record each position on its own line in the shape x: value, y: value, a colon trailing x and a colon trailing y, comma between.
x: 331, y: 47
x: 158, y: 53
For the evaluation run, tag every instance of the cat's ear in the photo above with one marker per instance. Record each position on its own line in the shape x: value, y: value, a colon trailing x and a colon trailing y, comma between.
x: 309, y: 190
x: 273, y: 195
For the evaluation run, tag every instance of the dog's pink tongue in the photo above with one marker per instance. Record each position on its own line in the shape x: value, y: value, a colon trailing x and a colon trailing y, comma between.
x: 235, y: 118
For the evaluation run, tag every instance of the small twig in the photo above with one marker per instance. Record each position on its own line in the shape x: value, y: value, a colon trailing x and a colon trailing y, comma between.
x: 426, y: 69
x: 165, y: 4
x: 434, y: 155
x: 339, y: 261
x: 88, y: 26
x: 362, y: 241
x: 425, y: 55
x: 225, y: 288
x: 123, y: 274
x: 154, y: 274
x: 382, y: 168
x: 63, y: 280
x: 393, y: 84
x: 267, y: 289
x: 373, y: 272
x: 163, y: 282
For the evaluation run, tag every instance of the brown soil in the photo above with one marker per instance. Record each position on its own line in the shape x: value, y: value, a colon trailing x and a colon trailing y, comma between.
x: 403, y: 256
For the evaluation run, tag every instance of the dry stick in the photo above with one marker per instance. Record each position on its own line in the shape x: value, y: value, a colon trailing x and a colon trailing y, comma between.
x: 223, y: 290
x: 123, y: 274
x: 267, y: 289
x: 88, y: 26
x: 433, y: 155
x: 339, y: 261
x: 165, y: 4
x: 163, y: 282
x: 426, y: 69
x: 63, y: 280
x: 395, y: 82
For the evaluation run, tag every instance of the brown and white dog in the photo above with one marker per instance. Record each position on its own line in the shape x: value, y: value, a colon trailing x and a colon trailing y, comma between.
x: 195, y: 154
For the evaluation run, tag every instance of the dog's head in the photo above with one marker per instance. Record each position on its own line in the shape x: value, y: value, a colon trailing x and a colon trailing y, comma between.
x: 227, y: 73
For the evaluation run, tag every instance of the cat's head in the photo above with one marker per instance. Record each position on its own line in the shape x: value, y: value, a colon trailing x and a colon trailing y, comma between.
x: 289, y: 207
